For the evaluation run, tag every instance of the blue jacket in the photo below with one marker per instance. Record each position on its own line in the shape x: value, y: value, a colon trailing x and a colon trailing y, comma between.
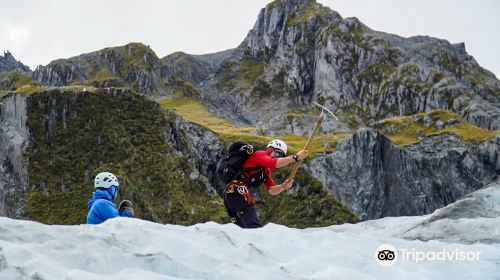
x: 101, y: 207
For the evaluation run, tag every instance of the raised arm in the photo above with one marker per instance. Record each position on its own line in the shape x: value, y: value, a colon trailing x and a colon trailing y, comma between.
x: 282, y: 162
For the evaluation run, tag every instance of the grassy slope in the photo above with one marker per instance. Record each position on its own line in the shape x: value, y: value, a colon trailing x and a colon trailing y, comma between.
x: 196, y: 112
x: 404, y: 130
x: 13, y: 80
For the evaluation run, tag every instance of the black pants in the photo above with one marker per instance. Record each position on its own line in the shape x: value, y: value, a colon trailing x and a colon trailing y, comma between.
x: 240, y: 211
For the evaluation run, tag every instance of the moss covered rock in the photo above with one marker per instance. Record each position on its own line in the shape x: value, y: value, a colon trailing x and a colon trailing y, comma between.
x: 75, y: 135
x: 307, y: 205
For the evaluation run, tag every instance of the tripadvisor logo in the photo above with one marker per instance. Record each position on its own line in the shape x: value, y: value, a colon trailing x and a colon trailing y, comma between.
x: 387, y: 255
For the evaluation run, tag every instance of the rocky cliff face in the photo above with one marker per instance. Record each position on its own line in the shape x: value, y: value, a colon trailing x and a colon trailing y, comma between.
x: 297, y: 52
x: 376, y: 178
x: 9, y: 63
x: 54, y: 139
x: 14, y: 133
x: 200, y: 146
x: 13, y: 165
x: 370, y: 174
x: 300, y: 51
x: 134, y: 66
x: 13, y: 74
x: 195, y: 69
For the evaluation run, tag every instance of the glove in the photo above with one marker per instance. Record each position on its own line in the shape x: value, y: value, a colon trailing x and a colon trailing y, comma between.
x: 126, y: 206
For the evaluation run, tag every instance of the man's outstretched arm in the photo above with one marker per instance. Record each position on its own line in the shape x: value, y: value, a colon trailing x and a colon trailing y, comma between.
x: 282, y: 162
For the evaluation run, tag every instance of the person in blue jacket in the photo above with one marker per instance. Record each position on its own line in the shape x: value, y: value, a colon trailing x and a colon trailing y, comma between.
x: 101, y: 205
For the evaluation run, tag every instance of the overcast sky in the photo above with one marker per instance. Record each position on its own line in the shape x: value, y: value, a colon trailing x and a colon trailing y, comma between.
x: 39, y: 31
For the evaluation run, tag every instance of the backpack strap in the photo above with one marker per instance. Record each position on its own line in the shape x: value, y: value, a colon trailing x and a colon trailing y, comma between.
x: 245, y: 178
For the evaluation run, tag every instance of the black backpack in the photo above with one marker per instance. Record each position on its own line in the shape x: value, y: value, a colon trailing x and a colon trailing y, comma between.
x: 229, y: 166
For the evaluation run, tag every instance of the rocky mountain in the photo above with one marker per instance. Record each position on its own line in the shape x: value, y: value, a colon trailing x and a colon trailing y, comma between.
x: 297, y: 52
x: 13, y: 74
x: 300, y: 51
x: 371, y: 174
x: 134, y: 66
x: 377, y: 178
x: 416, y: 131
x: 9, y: 63
x: 195, y: 69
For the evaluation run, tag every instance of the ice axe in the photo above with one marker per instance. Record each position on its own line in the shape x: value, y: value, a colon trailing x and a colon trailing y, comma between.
x: 324, y: 113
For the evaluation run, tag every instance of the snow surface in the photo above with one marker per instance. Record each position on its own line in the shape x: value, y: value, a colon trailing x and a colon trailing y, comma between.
x: 135, y: 249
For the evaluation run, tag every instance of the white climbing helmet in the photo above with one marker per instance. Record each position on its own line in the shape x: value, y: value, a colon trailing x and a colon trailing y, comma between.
x: 277, y: 144
x: 105, y: 180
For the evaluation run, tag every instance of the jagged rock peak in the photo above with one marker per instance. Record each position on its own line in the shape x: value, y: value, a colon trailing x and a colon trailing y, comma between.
x: 7, y: 54
x: 133, y: 50
x: 284, y: 22
x: 294, y: 4
x: 136, y: 47
x: 195, y: 68
x: 9, y: 63
x: 134, y: 65
x: 294, y: 12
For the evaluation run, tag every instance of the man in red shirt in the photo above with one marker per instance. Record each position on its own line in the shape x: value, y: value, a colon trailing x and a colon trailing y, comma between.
x: 239, y: 204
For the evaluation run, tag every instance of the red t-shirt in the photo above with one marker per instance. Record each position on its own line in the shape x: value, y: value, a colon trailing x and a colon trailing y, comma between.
x: 261, y: 158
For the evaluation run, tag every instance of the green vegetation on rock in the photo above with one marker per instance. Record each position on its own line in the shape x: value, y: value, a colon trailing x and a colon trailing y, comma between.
x: 451, y: 63
x: 229, y: 77
x: 138, y: 55
x: 75, y: 135
x: 102, y: 78
x: 305, y: 13
x: 11, y: 81
x: 251, y: 71
x: 195, y: 112
x: 406, y: 130
x: 309, y: 206
x: 134, y: 65
x: 245, y: 75
x: 377, y: 72
x: 276, y: 88
x: 30, y: 89
x: 181, y: 88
